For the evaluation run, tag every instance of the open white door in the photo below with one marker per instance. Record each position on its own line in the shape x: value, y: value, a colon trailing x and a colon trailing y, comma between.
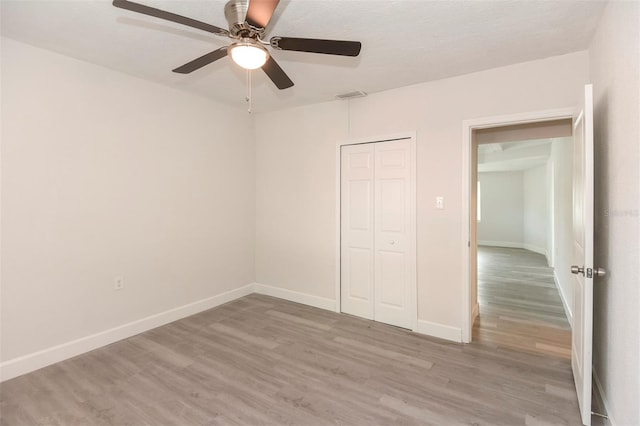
x: 581, y: 338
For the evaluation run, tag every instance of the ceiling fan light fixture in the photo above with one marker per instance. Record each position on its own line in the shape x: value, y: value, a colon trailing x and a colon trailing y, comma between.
x: 248, y: 20
x: 248, y: 54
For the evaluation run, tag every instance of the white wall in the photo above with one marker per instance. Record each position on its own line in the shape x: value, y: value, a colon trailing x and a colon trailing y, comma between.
x: 561, y: 162
x: 104, y: 175
x: 536, y: 209
x: 502, y: 207
x: 296, y: 198
x: 302, y: 182
x: 615, y: 73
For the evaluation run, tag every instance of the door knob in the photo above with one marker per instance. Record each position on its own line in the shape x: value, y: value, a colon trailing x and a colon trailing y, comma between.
x: 599, y: 272
x: 392, y: 242
x: 577, y: 269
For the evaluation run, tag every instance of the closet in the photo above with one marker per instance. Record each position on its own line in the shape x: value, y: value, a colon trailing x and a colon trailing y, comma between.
x: 377, y: 231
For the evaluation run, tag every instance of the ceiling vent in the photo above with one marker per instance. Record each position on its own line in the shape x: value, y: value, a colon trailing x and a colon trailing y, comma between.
x: 351, y: 95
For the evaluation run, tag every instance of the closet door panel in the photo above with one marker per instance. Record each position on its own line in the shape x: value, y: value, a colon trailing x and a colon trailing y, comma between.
x: 392, y: 186
x: 356, y: 230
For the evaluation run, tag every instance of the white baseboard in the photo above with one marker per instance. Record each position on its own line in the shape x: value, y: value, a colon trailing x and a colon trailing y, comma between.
x: 512, y: 244
x: 603, y: 398
x: 535, y: 249
x: 295, y: 296
x: 423, y: 327
x: 565, y: 305
x: 34, y: 361
x: 439, y: 330
x: 507, y: 244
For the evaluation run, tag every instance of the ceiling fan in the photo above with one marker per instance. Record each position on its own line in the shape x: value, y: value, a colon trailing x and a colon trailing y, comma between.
x: 247, y: 21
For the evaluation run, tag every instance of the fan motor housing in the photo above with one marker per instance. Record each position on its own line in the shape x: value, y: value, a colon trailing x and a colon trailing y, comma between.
x: 236, y: 12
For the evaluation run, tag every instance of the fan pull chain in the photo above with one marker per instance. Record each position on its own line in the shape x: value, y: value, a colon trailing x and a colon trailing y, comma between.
x: 248, y: 98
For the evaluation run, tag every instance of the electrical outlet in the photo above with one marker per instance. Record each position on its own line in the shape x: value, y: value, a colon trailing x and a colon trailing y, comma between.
x: 440, y: 203
x: 118, y: 283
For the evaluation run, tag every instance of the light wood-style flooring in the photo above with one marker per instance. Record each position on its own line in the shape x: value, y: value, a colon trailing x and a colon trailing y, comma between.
x: 520, y: 307
x: 260, y: 360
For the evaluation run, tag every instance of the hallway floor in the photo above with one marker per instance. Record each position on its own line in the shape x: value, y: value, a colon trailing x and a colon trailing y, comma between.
x: 520, y: 307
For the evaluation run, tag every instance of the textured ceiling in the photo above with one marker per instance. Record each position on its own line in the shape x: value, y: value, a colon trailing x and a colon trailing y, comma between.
x: 513, y: 156
x: 404, y: 42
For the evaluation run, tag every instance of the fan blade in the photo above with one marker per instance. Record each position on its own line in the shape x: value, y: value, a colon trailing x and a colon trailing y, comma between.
x: 328, y: 47
x: 168, y: 16
x: 202, y: 61
x: 275, y: 73
x: 260, y: 12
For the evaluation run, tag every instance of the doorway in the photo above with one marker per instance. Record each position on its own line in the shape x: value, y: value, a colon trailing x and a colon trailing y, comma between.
x: 523, y: 189
x: 538, y: 129
x: 519, y: 300
x: 377, y: 222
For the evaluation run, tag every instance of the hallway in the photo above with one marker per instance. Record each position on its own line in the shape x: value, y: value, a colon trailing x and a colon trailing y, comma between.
x: 520, y: 307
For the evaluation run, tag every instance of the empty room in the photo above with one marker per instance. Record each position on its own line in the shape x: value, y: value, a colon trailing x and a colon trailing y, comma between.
x: 266, y: 212
x: 523, y: 229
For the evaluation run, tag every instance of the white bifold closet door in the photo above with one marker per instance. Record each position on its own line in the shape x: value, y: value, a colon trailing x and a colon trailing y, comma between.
x: 375, y: 257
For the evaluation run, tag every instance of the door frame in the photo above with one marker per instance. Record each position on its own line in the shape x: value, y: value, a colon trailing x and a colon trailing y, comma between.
x: 411, y: 136
x: 469, y: 238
